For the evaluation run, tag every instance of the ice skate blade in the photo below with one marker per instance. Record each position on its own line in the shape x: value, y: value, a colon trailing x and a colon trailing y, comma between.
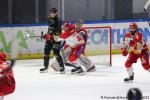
x: 63, y: 72
x: 80, y: 74
x: 45, y: 71
x: 131, y: 81
x: 75, y: 73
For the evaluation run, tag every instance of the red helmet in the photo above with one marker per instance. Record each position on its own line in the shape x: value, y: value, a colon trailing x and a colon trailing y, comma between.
x: 67, y: 27
x: 133, y: 25
x: 2, y: 56
x: 67, y: 24
x: 73, y: 26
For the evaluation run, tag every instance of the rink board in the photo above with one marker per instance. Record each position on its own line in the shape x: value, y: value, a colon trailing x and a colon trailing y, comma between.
x: 33, y: 47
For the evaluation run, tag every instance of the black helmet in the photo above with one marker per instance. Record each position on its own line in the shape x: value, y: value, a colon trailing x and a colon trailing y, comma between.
x: 53, y: 10
x: 134, y: 94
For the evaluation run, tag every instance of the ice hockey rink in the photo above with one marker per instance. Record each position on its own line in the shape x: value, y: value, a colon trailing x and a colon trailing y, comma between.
x: 105, y: 81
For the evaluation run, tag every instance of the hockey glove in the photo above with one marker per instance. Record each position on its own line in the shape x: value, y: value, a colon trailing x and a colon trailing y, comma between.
x: 124, y: 51
x: 47, y: 36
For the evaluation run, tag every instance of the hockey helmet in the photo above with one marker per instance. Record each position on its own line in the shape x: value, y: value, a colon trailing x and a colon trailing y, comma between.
x: 133, y: 28
x: 79, y: 23
x: 133, y: 25
x: 67, y: 26
x: 53, y: 10
x: 134, y: 94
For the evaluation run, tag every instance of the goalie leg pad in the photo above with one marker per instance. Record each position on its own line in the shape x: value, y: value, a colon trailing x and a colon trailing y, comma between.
x: 86, y: 62
x: 65, y: 53
x: 55, y: 66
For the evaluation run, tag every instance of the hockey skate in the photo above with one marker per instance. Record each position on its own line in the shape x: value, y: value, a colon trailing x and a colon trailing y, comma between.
x: 77, y: 70
x: 129, y: 79
x: 69, y: 64
x: 44, y: 70
x: 62, y: 70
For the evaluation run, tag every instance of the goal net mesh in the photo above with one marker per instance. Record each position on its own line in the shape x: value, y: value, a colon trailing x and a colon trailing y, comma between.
x: 99, y: 45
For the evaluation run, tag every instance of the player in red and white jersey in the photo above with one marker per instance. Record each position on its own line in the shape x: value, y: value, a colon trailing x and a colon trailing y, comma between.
x: 77, y: 51
x: 7, y: 81
x: 135, y: 45
x: 73, y: 51
x: 72, y: 47
x: 83, y: 59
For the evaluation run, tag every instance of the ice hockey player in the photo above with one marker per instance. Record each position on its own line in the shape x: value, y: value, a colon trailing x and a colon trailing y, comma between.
x: 66, y: 49
x: 83, y: 59
x: 75, y: 41
x: 7, y: 81
x: 136, y: 47
x: 75, y: 54
x: 71, y: 48
x: 54, y: 30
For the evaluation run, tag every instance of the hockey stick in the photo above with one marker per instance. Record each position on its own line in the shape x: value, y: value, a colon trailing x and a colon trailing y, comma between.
x: 145, y: 9
x: 146, y: 5
x: 13, y: 53
x: 27, y: 34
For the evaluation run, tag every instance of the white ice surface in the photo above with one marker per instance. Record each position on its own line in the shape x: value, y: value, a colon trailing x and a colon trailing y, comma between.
x: 106, y: 81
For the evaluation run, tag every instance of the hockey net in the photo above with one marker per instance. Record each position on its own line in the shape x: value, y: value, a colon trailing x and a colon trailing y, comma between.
x: 99, y: 46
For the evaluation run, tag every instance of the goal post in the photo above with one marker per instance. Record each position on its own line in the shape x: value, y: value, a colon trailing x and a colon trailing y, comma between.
x: 99, y: 45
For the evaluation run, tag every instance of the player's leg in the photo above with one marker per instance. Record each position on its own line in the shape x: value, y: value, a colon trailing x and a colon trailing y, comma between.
x: 145, y: 61
x: 65, y: 52
x: 132, y: 58
x: 86, y: 62
x: 1, y: 97
x: 59, y: 59
x: 47, y: 49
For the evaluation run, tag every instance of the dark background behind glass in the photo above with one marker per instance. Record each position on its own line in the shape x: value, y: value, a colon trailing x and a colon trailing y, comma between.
x: 36, y: 11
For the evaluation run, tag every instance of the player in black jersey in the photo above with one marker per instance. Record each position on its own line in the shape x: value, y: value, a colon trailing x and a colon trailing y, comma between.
x: 54, y: 30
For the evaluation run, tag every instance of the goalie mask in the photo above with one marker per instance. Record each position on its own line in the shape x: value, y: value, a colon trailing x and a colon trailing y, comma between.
x: 79, y: 24
x: 133, y: 28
